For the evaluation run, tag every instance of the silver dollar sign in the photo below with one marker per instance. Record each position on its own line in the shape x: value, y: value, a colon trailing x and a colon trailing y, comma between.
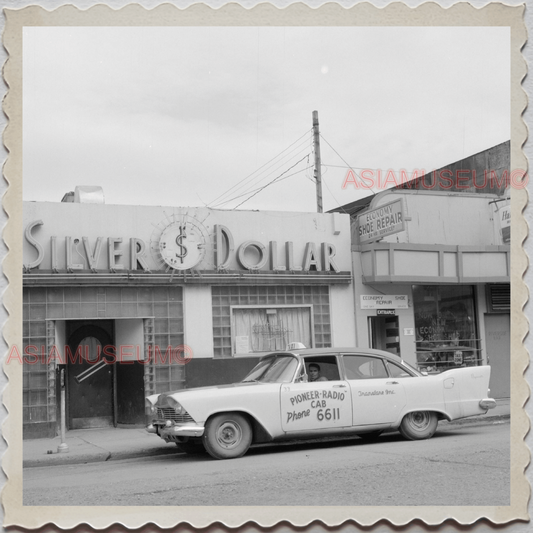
x: 179, y: 238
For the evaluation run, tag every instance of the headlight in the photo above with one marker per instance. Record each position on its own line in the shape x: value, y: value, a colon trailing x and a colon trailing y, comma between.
x: 171, y: 402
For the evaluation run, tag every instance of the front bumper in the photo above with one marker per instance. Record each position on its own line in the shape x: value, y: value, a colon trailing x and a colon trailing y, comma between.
x: 165, y: 431
x: 487, y: 403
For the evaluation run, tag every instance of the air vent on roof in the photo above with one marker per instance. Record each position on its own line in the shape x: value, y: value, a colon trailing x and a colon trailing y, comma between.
x: 85, y: 194
x: 499, y: 298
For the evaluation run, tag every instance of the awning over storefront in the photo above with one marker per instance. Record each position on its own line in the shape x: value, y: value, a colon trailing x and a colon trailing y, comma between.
x: 421, y: 263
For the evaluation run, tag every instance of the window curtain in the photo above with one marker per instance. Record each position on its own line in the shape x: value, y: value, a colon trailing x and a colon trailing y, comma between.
x: 265, y: 330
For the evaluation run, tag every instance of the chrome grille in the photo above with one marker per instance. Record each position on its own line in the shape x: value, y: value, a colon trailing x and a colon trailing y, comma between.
x: 168, y: 413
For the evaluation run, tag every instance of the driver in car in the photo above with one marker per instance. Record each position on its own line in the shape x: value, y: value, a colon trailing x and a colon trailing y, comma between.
x: 314, y: 373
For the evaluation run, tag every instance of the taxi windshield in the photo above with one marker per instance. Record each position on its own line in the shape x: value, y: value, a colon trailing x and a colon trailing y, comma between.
x: 275, y: 369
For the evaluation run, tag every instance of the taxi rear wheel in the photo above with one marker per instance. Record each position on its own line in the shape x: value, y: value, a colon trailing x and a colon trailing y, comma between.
x: 419, y: 425
x: 227, y: 436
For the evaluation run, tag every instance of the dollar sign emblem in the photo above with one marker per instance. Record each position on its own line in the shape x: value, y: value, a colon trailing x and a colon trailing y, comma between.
x: 179, y: 239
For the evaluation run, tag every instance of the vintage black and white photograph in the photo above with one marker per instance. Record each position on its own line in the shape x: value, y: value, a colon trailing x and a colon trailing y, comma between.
x: 266, y: 265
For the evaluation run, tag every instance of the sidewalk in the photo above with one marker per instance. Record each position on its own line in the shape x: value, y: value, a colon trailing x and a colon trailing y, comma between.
x: 108, y: 444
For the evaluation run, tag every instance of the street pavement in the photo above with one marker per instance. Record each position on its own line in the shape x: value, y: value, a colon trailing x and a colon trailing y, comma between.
x: 108, y: 444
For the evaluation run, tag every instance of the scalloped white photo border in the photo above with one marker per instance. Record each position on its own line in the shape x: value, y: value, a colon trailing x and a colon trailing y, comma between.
x: 365, y: 14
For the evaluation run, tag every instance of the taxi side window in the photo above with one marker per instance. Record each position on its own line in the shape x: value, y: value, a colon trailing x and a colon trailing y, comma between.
x: 363, y: 367
x: 327, y: 366
x: 396, y: 371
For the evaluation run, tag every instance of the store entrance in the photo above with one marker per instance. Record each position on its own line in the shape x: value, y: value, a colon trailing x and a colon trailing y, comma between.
x: 498, y: 332
x: 90, y: 378
x: 105, y: 373
x: 384, y: 333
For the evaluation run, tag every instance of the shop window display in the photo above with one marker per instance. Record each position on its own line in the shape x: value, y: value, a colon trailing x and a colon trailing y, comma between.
x: 446, y: 334
x: 228, y: 298
x: 269, y: 329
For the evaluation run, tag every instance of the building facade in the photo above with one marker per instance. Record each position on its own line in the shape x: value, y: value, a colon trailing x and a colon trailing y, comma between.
x: 431, y: 263
x: 120, y: 302
x: 123, y: 301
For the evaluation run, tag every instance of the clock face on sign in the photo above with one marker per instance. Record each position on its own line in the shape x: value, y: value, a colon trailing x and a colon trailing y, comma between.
x: 182, y: 243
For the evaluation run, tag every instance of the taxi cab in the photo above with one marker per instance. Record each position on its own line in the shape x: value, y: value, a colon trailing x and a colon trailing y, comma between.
x: 358, y: 392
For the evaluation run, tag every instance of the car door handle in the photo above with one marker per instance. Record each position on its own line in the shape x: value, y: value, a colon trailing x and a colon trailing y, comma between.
x: 339, y: 386
x: 392, y: 383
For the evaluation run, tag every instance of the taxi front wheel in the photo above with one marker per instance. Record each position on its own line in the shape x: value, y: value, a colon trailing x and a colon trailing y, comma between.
x: 419, y: 425
x: 227, y: 436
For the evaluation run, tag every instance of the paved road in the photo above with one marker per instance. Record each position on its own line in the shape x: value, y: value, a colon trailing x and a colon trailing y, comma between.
x: 458, y: 466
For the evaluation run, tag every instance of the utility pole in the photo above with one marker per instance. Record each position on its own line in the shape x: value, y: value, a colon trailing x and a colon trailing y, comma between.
x: 318, y: 167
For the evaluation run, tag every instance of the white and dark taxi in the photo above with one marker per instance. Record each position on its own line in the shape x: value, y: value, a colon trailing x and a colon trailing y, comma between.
x: 358, y: 392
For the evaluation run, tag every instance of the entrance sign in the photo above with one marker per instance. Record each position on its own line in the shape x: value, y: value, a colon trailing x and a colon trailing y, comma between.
x: 388, y: 312
x: 387, y: 301
x: 384, y: 220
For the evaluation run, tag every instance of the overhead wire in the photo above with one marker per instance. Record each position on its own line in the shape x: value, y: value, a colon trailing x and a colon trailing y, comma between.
x: 264, y: 175
x: 310, y: 175
x: 255, y: 171
x: 352, y: 167
x: 245, y: 186
x: 330, y: 192
x: 250, y: 186
x: 273, y: 181
x: 365, y: 168
x: 263, y: 186
x: 283, y: 161
x: 262, y: 168
x: 348, y: 165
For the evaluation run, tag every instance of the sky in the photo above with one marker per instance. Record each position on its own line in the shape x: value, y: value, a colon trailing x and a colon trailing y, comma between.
x: 222, y: 116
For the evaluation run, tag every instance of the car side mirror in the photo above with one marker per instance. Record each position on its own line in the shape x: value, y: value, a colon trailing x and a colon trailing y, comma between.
x: 303, y: 379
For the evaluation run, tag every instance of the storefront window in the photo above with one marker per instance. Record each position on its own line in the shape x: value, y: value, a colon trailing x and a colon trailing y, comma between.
x: 446, y: 335
x: 226, y: 299
x: 269, y: 329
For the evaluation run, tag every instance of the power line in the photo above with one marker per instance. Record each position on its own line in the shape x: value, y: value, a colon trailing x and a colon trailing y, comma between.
x: 241, y: 182
x: 276, y: 180
x: 365, y: 168
x: 349, y: 166
x: 333, y: 196
x: 250, y: 186
x: 257, y: 170
x: 273, y: 181
x: 283, y: 162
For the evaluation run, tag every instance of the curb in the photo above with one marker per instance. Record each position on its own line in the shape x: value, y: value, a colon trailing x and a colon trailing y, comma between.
x: 479, y: 421
x: 62, y: 459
